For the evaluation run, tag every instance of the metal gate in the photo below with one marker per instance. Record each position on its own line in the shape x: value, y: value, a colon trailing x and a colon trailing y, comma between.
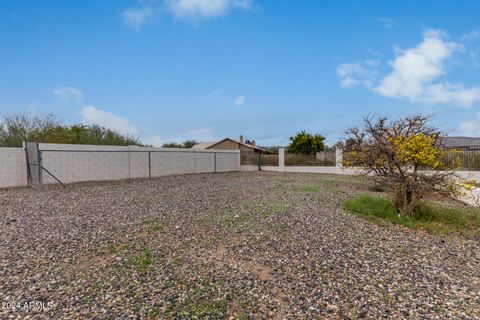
x: 35, y: 168
x: 34, y: 164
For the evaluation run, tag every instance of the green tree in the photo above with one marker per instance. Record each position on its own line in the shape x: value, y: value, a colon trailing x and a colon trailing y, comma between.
x: 92, y: 134
x: 306, y: 143
x: 172, y: 145
x: 185, y: 144
x: 189, y: 143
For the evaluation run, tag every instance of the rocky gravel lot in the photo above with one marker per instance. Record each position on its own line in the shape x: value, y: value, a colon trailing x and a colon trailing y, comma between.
x: 234, y: 246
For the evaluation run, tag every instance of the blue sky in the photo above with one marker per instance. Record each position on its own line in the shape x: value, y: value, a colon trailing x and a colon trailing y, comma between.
x: 170, y: 70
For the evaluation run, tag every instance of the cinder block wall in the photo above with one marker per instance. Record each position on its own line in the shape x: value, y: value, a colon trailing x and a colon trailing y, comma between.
x: 74, y: 166
x: 13, y: 167
x: 77, y: 163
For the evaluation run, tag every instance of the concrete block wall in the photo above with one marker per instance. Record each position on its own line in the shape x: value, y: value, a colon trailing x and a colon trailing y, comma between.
x: 138, y: 165
x: 71, y: 166
x: 77, y: 163
x: 166, y: 163
x: 13, y: 167
x: 227, y: 162
x: 116, y: 163
x: 205, y: 162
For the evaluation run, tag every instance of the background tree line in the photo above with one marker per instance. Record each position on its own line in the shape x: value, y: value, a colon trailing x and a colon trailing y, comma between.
x: 15, y: 128
x: 186, y: 144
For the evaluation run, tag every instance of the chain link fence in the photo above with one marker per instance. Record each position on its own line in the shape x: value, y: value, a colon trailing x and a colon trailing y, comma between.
x: 70, y: 165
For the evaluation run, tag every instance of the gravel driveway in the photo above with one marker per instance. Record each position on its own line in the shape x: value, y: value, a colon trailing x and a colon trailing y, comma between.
x: 234, y: 245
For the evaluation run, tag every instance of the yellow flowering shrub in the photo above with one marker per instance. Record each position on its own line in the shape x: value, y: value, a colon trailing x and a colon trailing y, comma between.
x: 406, y: 156
x: 419, y: 149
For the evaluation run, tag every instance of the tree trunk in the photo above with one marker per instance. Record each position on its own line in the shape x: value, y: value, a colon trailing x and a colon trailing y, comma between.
x: 405, y: 201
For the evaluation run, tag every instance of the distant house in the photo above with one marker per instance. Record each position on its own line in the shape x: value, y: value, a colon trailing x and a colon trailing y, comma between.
x: 230, y: 144
x: 463, y: 142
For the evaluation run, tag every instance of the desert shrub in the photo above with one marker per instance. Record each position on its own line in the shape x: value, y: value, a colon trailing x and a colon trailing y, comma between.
x: 377, y: 187
x: 405, y: 155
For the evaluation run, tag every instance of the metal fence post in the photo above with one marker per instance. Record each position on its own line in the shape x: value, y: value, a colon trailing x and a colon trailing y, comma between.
x: 215, y: 161
x: 195, y: 161
x: 259, y: 164
x: 29, y: 173
x: 40, y: 171
x: 149, y: 165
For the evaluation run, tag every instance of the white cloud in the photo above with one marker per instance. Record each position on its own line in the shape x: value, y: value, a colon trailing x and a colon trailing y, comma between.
x: 239, y: 100
x: 416, y: 74
x: 204, y: 8
x: 136, y: 18
x: 68, y: 93
x: 353, y: 74
x: 471, y: 46
x: 92, y: 115
x: 413, y: 68
x: 154, y: 140
x: 387, y: 22
x: 416, y: 69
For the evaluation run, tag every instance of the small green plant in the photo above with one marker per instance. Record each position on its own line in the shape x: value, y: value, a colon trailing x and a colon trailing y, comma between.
x: 204, y: 302
x: 177, y: 261
x: 377, y: 188
x: 433, y: 219
x: 154, y: 226
x: 152, y: 313
x: 113, y: 249
x: 141, y: 260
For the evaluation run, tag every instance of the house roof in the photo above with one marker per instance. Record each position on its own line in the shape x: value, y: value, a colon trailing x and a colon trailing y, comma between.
x: 203, y: 145
x: 241, y: 143
x: 461, y: 141
x: 208, y: 145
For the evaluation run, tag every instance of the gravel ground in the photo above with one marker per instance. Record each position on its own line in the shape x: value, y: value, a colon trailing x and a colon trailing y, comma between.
x: 234, y: 246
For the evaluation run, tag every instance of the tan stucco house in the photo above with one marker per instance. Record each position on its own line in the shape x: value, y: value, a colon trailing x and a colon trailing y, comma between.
x: 230, y: 144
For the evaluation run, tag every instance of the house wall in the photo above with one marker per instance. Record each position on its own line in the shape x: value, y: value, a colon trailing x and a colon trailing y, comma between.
x: 225, y: 145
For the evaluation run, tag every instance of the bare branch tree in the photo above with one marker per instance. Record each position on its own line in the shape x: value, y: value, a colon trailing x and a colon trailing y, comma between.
x: 405, y: 155
x: 15, y: 128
